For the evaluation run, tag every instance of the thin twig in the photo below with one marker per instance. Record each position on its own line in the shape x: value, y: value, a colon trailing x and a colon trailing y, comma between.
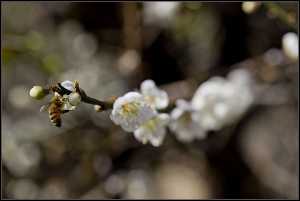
x: 282, y: 14
x: 89, y: 100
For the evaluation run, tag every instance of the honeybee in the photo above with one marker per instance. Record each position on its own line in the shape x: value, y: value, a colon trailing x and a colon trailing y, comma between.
x: 55, y: 109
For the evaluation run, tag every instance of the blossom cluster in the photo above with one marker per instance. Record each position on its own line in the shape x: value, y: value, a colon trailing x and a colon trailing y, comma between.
x: 216, y: 103
x: 137, y: 112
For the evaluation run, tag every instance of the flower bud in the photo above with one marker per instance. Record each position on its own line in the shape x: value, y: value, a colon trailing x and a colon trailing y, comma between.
x: 76, y: 84
x: 100, y: 109
x: 250, y: 7
x: 74, y: 98
x: 38, y: 92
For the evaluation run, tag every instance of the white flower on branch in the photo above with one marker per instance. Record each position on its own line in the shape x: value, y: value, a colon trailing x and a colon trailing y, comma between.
x: 209, y: 102
x: 155, y: 97
x: 73, y: 99
x: 290, y: 45
x: 186, y: 122
x: 130, y: 111
x: 153, y: 130
x: 222, y: 101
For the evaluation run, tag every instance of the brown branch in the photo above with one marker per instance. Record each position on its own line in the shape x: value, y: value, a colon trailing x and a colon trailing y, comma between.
x: 88, y: 100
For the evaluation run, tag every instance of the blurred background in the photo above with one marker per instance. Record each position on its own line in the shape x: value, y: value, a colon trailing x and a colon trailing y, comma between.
x: 110, y: 48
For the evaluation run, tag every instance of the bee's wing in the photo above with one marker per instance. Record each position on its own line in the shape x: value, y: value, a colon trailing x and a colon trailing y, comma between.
x: 46, y: 106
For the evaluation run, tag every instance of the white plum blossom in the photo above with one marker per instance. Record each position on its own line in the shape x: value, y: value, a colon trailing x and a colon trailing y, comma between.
x: 130, y: 111
x: 222, y: 101
x: 73, y: 99
x: 186, y: 122
x: 153, y: 130
x: 155, y: 97
x: 290, y: 45
x: 208, y: 101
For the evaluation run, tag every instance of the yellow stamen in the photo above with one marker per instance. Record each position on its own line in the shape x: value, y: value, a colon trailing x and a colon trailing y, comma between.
x: 130, y: 109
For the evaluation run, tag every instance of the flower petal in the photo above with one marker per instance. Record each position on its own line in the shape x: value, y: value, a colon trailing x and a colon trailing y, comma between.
x: 68, y: 85
x: 155, y: 96
x: 157, y: 141
x: 148, y: 87
x: 130, y: 126
x: 163, y: 119
x: 133, y: 95
x: 161, y: 100
x: 176, y: 113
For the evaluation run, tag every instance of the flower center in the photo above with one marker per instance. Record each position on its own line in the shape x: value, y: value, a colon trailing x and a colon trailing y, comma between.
x: 130, y: 109
x: 186, y: 117
x: 151, y: 124
x: 150, y: 100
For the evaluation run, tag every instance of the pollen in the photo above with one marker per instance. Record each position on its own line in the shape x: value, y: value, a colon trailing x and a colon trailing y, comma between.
x: 186, y: 117
x: 151, y: 124
x: 130, y: 109
x: 150, y: 100
x: 144, y: 142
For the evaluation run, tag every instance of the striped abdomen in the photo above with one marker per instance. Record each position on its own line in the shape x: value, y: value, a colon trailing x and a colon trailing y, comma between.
x: 54, y: 115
